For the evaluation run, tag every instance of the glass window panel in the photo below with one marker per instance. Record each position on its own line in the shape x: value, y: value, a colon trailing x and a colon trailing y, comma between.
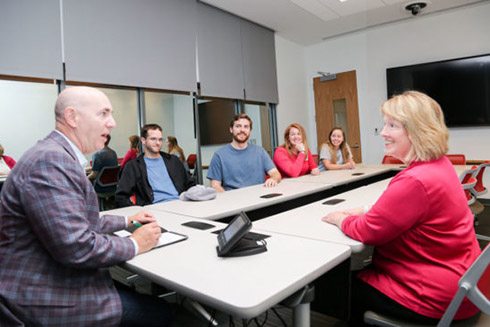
x: 214, y: 120
x: 175, y: 114
x: 261, y: 134
x: 27, y: 114
x: 214, y: 126
x: 340, y: 115
x: 125, y: 105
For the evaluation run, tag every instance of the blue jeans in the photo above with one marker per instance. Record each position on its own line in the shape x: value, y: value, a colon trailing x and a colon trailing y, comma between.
x: 144, y: 310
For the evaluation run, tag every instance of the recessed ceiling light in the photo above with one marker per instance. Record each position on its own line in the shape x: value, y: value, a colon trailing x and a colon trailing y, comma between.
x: 343, y: 0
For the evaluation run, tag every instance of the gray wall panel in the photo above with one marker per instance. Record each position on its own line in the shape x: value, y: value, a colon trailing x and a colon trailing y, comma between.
x: 219, y: 53
x: 30, y: 38
x: 145, y: 43
x: 259, y: 63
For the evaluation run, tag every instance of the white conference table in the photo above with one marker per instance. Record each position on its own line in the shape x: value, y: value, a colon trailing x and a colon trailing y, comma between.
x: 306, y: 220
x: 462, y: 168
x: 248, y: 198
x: 243, y: 286
x: 343, y: 176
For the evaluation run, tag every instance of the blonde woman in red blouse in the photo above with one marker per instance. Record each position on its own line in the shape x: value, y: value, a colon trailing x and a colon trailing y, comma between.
x: 421, y: 226
x: 293, y: 158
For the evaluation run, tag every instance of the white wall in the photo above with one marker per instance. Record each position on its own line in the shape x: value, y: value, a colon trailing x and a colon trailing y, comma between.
x: 458, y: 33
x: 292, y: 87
x: 184, y: 123
x: 124, y: 103
x: 26, y: 115
x: 452, y: 34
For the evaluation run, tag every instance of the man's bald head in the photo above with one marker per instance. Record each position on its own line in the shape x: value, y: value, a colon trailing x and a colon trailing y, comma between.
x: 84, y: 115
x: 78, y: 97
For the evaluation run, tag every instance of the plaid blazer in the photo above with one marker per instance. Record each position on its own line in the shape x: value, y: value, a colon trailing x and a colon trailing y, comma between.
x: 54, y: 248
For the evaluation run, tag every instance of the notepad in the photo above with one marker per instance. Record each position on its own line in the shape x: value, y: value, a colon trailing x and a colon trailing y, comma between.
x: 166, y: 238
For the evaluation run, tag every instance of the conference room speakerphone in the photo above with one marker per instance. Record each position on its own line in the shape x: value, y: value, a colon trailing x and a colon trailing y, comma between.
x: 231, y: 241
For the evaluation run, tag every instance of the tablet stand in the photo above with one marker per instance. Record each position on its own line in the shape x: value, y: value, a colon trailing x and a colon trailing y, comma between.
x: 243, y: 248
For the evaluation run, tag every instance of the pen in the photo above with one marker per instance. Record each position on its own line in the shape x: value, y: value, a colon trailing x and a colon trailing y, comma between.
x: 137, y: 224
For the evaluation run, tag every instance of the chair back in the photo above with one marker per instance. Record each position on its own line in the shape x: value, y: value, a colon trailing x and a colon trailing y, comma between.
x: 108, y: 176
x: 391, y: 160
x: 475, y: 285
x: 457, y: 159
x: 479, y: 188
x: 468, y: 181
x: 191, y: 161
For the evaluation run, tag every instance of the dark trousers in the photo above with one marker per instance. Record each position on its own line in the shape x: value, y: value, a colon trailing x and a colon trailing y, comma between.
x: 365, y: 297
x: 143, y: 310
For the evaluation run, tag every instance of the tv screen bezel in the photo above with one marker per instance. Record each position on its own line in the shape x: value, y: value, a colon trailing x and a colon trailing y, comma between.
x: 485, y: 109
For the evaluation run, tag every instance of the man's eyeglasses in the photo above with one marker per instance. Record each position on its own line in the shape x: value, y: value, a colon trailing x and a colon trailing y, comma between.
x: 154, y: 139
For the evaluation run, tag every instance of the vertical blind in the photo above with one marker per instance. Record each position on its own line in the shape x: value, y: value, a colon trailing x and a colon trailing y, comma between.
x: 30, y: 38
x: 219, y: 53
x: 148, y: 43
x: 259, y: 63
x: 235, y: 55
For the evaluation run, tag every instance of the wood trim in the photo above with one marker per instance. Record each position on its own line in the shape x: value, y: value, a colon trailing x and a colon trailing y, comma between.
x: 75, y: 83
x: 27, y: 79
x: 475, y: 162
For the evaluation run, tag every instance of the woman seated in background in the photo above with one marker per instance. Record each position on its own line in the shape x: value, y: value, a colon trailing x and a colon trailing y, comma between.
x: 134, y: 148
x: 421, y: 226
x: 174, y: 148
x: 335, y: 153
x: 293, y: 158
x: 6, y: 163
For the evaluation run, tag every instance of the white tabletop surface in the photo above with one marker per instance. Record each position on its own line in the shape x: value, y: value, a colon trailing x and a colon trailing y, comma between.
x: 242, y: 286
x: 462, y: 168
x: 306, y: 221
x: 232, y: 202
x: 342, y: 176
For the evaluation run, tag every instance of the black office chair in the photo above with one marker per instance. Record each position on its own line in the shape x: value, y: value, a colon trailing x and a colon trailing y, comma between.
x: 106, y: 183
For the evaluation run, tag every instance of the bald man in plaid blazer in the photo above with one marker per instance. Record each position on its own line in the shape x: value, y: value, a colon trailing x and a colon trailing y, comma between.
x: 54, y: 248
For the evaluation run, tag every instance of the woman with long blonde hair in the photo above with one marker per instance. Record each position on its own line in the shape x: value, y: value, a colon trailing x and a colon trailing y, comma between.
x: 294, y: 158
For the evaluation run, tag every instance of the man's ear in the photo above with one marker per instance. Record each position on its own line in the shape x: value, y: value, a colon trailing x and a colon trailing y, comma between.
x: 71, y: 117
x: 231, y: 130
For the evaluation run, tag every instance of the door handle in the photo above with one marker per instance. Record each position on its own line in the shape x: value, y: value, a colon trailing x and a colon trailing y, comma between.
x: 355, y: 146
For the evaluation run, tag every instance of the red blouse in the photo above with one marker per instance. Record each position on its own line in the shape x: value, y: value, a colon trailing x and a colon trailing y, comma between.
x: 422, y: 230
x: 130, y: 155
x: 293, y: 166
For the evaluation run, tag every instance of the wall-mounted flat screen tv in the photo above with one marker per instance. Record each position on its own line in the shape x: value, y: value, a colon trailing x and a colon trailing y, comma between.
x: 214, y: 120
x: 461, y: 86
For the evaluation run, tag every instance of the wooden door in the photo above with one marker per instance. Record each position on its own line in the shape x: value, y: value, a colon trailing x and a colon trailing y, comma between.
x: 336, y: 105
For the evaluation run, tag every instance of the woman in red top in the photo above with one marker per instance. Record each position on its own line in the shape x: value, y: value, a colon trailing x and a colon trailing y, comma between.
x: 6, y: 163
x: 293, y: 158
x: 134, y: 146
x: 421, y: 226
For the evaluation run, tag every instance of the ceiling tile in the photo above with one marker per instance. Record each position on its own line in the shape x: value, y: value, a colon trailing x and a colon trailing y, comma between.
x: 351, y: 7
x: 316, y: 8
